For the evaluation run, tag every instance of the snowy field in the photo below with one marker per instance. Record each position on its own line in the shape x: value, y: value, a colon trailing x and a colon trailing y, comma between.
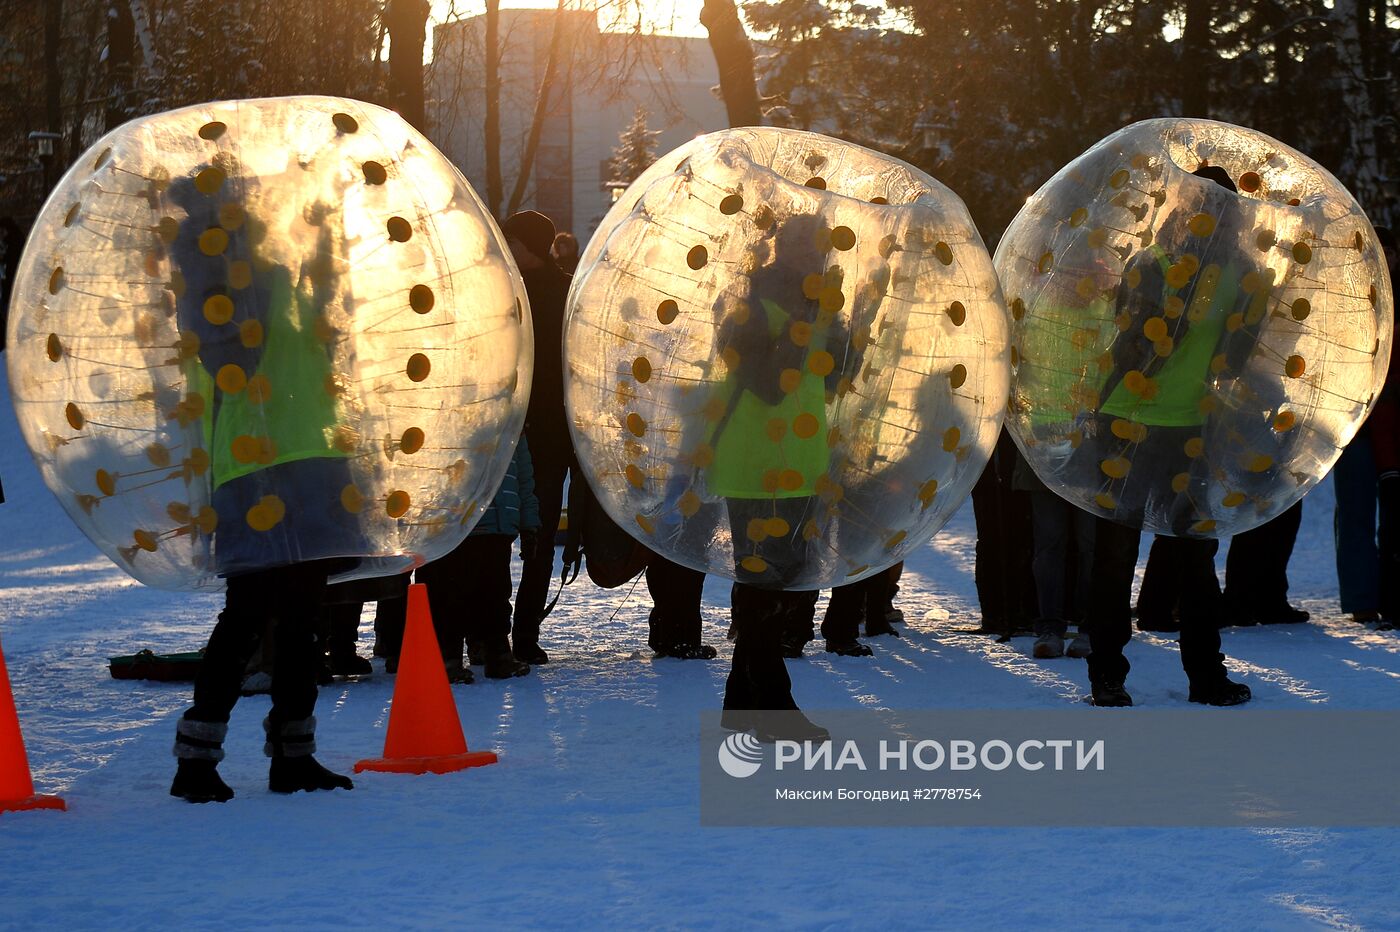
x: 590, y: 819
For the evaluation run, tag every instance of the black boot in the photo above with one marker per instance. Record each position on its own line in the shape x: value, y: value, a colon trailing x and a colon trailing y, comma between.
x: 199, y: 747
x: 1110, y: 694
x: 290, y: 745
x: 1220, y: 691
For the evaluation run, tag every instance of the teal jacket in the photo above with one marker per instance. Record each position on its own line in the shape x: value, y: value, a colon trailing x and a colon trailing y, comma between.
x: 515, y: 507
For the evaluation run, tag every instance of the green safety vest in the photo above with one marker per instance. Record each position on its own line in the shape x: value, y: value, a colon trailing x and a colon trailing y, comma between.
x: 298, y: 417
x: 1182, y: 381
x: 746, y: 458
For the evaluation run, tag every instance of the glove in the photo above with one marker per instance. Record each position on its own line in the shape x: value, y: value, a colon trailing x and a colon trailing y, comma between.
x: 529, y: 542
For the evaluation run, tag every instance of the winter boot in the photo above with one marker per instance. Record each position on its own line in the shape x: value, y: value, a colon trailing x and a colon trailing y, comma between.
x: 1221, y: 692
x: 1080, y: 647
x: 199, y: 747
x: 1048, y: 646
x: 851, y: 648
x: 290, y: 745
x: 878, y: 626
x: 1110, y: 694
x: 529, y: 652
x: 769, y: 727
x: 500, y: 663
x: 458, y: 673
x: 343, y: 661
x: 689, y: 652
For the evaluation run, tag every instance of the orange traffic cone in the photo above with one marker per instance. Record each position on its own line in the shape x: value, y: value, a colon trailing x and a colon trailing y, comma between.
x: 425, y: 734
x: 16, y: 785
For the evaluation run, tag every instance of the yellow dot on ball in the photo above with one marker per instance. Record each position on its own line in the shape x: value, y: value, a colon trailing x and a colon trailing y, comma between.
x: 1105, y: 501
x: 1173, y: 306
x: 1180, y: 482
x: 396, y: 505
x: 843, y: 238
x: 1116, y: 468
x: 816, y: 182
x: 1118, y: 178
x: 776, y: 527
x: 636, y: 425
x: 764, y: 217
x: 53, y: 348
x: 1201, y: 225
x: 645, y: 524
x: 399, y: 229
x: 168, y: 229
x: 754, y: 564
x: 789, y: 380
x: 958, y: 314
x: 943, y: 252
x: 352, y: 500
x: 896, y: 539
x: 821, y: 363
x: 1250, y: 182
x: 667, y: 310
x: 800, y: 332
x: 776, y: 428
x: 375, y: 173
x: 1260, y: 462
x: 1046, y: 263
x: 1264, y: 240
x: 345, y: 123
x: 688, y: 504
x: 951, y: 436
x: 697, y: 257
x: 703, y: 456
x: 1154, y: 329
x: 212, y: 130
x: 1284, y: 421
x: 1301, y: 308
x: 1204, y: 526
x: 231, y: 216
x: 412, y: 440
x: 805, y: 425
x: 1233, y: 499
x: 1295, y: 367
x: 1194, y: 447
x: 259, y: 389
x: 927, y: 492
x: 218, y: 309
x: 1077, y: 218
x: 421, y: 299
x: 145, y: 540
x: 790, y: 480
x: 1302, y: 253
x: 106, y: 482
x: 635, y: 477
x: 957, y: 376
x: 641, y: 369
x: 1135, y: 381
x: 209, y: 180
x: 213, y: 241
x: 731, y: 204
x: 418, y: 367
x: 231, y: 379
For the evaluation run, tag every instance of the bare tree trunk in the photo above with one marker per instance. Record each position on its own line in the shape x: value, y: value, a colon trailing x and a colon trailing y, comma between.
x: 407, y: 21
x: 53, y: 85
x: 121, y: 47
x: 491, y: 131
x: 734, y: 58
x: 532, y: 143
x: 1363, y: 171
x: 1196, y: 54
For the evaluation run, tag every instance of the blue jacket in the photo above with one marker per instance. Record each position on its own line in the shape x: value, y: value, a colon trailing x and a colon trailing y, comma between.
x: 515, y: 507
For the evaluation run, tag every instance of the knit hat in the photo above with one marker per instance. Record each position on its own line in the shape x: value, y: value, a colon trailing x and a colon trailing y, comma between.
x: 533, y: 229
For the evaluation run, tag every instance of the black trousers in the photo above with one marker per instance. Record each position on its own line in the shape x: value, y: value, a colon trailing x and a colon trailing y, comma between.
x: 538, y: 570
x: 1256, y: 569
x: 292, y: 596
x: 854, y: 603
x: 1005, y: 584
x: 1110, y: 599
x: 675, y: 604
x: 469, y: 595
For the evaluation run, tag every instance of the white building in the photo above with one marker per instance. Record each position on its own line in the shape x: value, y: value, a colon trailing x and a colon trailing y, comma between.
x: 602, y: 78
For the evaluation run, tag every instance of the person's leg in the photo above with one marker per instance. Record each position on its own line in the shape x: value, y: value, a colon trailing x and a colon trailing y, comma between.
x: 343, y: 630
x: 1354, y: 529
x: 1110, y: 601
x: 487, y: 616
x: 1050, y: 523
x: 290, y: 725
x: 841, y: 626
x: 452, y: 580
x: 675, y: 619
x: 989, y: 570
x: 1271, y: 576
x: 200, y: 732
x: 390, y: 616
x: 1157, y: 597
x: 1200, y: 635
x: 537, y: 573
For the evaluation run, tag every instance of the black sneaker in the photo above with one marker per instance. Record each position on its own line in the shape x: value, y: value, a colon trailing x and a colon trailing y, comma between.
x: 689, y: 652
x: 851, y: 648
x: 1221, y: 692
x: 459, y: 673
x: 350, y: 664
x: 504, y: 666
x: 198, y: 781
x: 530, y: 653
x: 303, y: 774
x: 1110, y: 695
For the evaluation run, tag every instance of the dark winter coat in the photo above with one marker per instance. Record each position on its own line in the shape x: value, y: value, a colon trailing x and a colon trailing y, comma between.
x: 515, y: 507
x: 545, y: 422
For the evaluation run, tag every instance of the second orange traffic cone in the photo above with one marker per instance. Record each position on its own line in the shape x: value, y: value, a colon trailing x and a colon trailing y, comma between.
x: 424, y: 734
x: 16, y: 784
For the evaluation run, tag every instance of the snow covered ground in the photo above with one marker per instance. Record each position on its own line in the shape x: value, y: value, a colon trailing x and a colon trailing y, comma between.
x: 591, y: 816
